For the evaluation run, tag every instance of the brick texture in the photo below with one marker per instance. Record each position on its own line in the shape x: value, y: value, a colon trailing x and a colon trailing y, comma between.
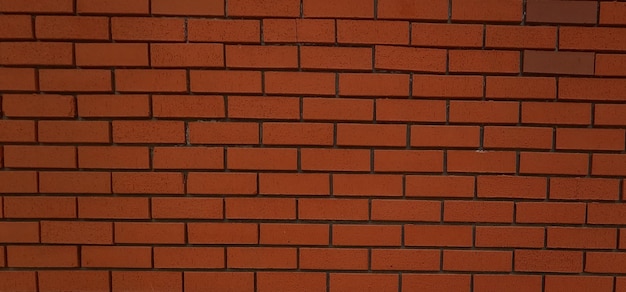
x: 312, y: 145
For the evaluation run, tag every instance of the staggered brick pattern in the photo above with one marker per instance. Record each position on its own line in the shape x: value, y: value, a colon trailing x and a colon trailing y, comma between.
x: 312, y: 145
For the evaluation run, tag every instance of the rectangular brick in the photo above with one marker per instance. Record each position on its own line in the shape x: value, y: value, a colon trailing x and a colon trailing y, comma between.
x: 17, y: 79
x: 260, y: 208
x: 439, y: 186
x: 553, y: 163
x: 338, y: 9
x: 148, y: 29
x: 72, y: 27
x: 477, y: 260
x: 222, y: 233
x: 16, y: 27
x: 262, y: 257
x: 478, y: 211
x: 487, y: 10
x: 262, y: 158
x: 113, y: 7
x: 335, y: 159
x: 294, y: 234
x: 568, y: 12
x: 118, y: 54
x: 339, y: 58
x: 73, y: 131
x: 517, y: 137
x: 500, y: 162
x: 609, y: 114
x: 298, y: 30
x: 581, y: 238
x: 148, y: 132
x: 309, y: 83
x: 188, y: 158
x: 593, y: 89
x: 408, y: 161
x: 583, y: 189
x: 73, y: 280
x: 484, y: 112
x: 550, y: 212
x: 550, y: 62
x: 366, y: 235
x: 51, y: 6
x: 337, y: 109
x: 333, y: 259
x: 608, y: 164
x: 592, y: 38
x: 548, y: 261
x: 590, y: 139
x: 446, y: 136
x: 224, y: 30
x: 333, y: 209
x: 612, y: 13
x: 38, y: 105
x: 513, y: 37
x: 187, y: 208
x: 410, y: 59
x: 223, y: 133
x: 19, y: 232
x: 535, y: 88
x: 186, y: 55
x: 157, y: 280
x: 39, y: 207
x: 610, y: 64
x: 263, y: 107
x: 507, y: 187
x: 367, y: 185
x: 505, y: 236
x: 189, y: 257
x: 279, y: 57
x: 371, y: 135
x: 188, y: 106
x: 148, y: 183
x: 482, y: 61
x: 77, y: 80
x: 145, y: 80
x: 118, y: 105
x: 276, y: 8
x: 222, y: 183
x: 372, y: 32
x: 298, y: 134
x: 149, y: 233
x: 113, y: 208
x: 406, y: 210
x: 116, y: 256
x: 446, y: 35
x: 558, y: 113
x: 39, y: 156
x: 446, y: 86
x: 408, y: 9
x: 42, y: 256
x: 75, y: 182
x: 61, y: 232
x: 226, y: 81
x: 373, y: 84
x: 35, y: 53
x: 187, y: 7
x: 199, y: 281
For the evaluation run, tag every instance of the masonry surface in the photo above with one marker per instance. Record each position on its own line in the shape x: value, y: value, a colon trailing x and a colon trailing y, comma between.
x: 312, y: 145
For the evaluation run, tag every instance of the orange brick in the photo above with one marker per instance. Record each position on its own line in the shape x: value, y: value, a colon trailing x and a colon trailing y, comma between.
x: 437, y: 282
x: 18, y: 182
x: 573, y: 283
x: 42, y: 256
x: 73, y: 131
x: 294, y: 184
x: 410, y: 59
x: 17, y: 79
x: 18, y: 280
x: 338, y: 9
x: 467, y: 61
x: 300, y: 83
x: 371, y: 135
x: 225, y: 81
x: 223, y: 133
x: 553, y: 163
x: 19, y: 232
x: 188, y: 7
x: 335, y: 159
x: 148, y: 132
x: 446, y: 35
x: 407, y: 9
x: 590, y: 139
x: 363, y: 282
x: 343, y: 109
x: 548, y: 261
x: 372, y: 32
x: 550, y: 212
x: 339, y: 58
x: 478, y: 211
x: 410, y: 110
x: 601, y: 89
x: 291, y: 281
x: 559, y: 113
x: 406, y: 210
x: 73, y: 280
x: 257, y: 107
x: 188, y: 158
x: 113, y: 208
x: 186, y: 55
x: 518, y: 137
x: 35, y: 53
x: 103, y: 157
x: 222, y: 233
x: 187, y: 208
x: 477, y: 260
x: 612, y: 13
x: 262, y: 257
x: 481, y: 161
x: 333, y: 259
x: 189, y: 257
x: 484, y: 112
x: 224, y: 30
x: 113, y: 7
x: 260, y: 208
x: 119, y: 105
x: 610, y: 64
x: 505, y: 236
x: 609, y: 115
x: 373, y: 84
x: 523, y: 187
x: 72, y: 27
x: 298, y: 30
x: 592, y: 38
x: 262, y: 158
x: 118, y: 54
x: 61, y: 232
x: 581, y: 238
x: 583, y: 189
x: 16, y: 27
x: 297, y: 134
x: 439, y: 186
x: 238, y: 56
x: 445, y: 136
x: 333, y: 209
x: 136, y: 281
x: 116, y: 256
x: 608, y: 164
x: 276, y: 8
x: 40, y: 105
x: 499, y: 87
x: 294, y: 234
x: 237, y: 281
x: 605, y: 262
x: 187, y: 106
x: 75, y: 182
x: 508, y: 282
x: 152, y: 233
x: 408, y: 161
x: 54, y: 6
x: 144, y: 80
x: 366, y: 235
x: 148, y: 29
x: 79, y: 80
x: 147, y: 183
x: 367, y: 185
x: 39, y: 156
x: 39, y: 207
x: 446, y: 86
x: 222, y: 183
x: 513, y: 37
x: 487, y: 10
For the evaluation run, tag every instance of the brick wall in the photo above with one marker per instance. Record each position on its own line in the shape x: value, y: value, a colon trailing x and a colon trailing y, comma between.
x: 312, y: 145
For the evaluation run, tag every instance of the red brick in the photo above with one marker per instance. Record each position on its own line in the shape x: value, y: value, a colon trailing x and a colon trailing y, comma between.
x: 445, y: 136
x: 42, y: 256
x: 559, y: 113
x: 144, y: 80
x: 505, y: 236
x: 581, y: 238
x: 499, y: 162
x: 18, y: 182
x: 22, y: 281
x: 238, y: 56
x: 590, y: 139
x: 73, y: 131
x: 446, y: 35
x: 260, y: 208
x: 73, y: 280
x: 592, y: 38
x: 226, y: 81
x: 408, y: 161
x: 513, y: 37
x: 610, y: 64
x: 222, y: 233
x: 39, y: 207
x: 500, y: 87
x: 56, y: 232
x: 187, y: 208
x: 298, y: 30
x: 297, y: 134
x: 262, y: 158
x: 478, y: 211
x: 275, y: 8
x: 291, y: 281
x: 40, y: 105
x: 579, y: 283
x: 550, y: 212
x: 188, y: 158
x: 186, y: 55
x: 367, y: 185
x: 513, y: 283
x: 188, y: 7
x: 17, y: 131
x: 78, y: 80
x: 552, y: 62
x: 548, y: 261
x: 222, y: 183
x: 372, y: 235
x: 141, y: 281
x: 477, y: 260
x: 333, y: 109
x: 364, y: 282
x: 584, y: 189
x: 439, y: 186
x: 406, y: 210
x: 568, y: 12
x: 116, y: 256
x: 612, y: 13
x: 520, y: 187
x: 17, y: 79
x: 294, y: 184
x: 438, y: 235
x: 601, y: 89
x: 371, y: 135
x: 339, y: 58
x: 373, y: 84
x: 333, y: 209
x: 608, y: 164
x: 224, y: 30
x: 407, y: 9
x: 606, y: 213
x: 72, y: 27
x: 605, y: 262
x: 75, y: 182
x: 39, y: 156
x: 294, y: 234
x: 218, y: 281
x: 189, y: 257
x: 484, y: 112
x: 338, y: 9
x: 148, y: 183
x: 19, y: 232
x: 446, y: 86
x: 410, y: 59
x: 518, y: 137
x: 333, y: 259
x: 113, y: 208
x: 609, y: 114
x: 262, y: 257
x: 300, y: 83
x: 411, y: 110
x: 435, y: 282
x: 487, y: 10
x: 372, y: 32
x: 35, y: 53
x: 51, y: 6
x: 263, y: 107
x: 148, y: 29
x: 405, y: 259
x: 223, y: 133
x: 148, y: 132
x: 118, y: 105
x: 152, y: 233
x: 554, y: 163
x: 113, y: 7
x: 100, y: 55
x: 105, y: 157
x: 467, y: 61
